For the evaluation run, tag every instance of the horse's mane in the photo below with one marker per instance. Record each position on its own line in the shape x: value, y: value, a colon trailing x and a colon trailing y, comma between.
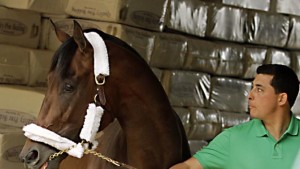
x: 64, y: 54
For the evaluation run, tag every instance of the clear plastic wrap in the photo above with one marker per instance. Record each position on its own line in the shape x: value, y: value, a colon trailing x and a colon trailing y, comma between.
x: 231, y: 60
x: 254, y: 57
x: 225, y: 59
x: 188, y: 16
x: 296, y: 108
x: 169, y: 51
x: 141, y: 40
x: 158, y: 73
x: 288, y: 7
x: 250, y: 4
x: 145, y: 14
x: 276, y: 56
x: 206, y: 124
x: 294, y: 38
x: 267, y: 29
x: 185, y: 117
x: 230, y: 119
x: 196, y: 145
x: 295, y: 57
x: 226, y: 23
x: 187, y: 88
x: 202, y: 56
x: 229, y: 94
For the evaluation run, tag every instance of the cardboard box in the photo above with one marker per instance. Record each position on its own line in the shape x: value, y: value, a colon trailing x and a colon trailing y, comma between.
x: 40, y: 62
x: 24, y: 66
x: 19, y: 27
x: 15, y: 118
x: 14, y: 65
x: 21, y: 99
x: 139, y: 13
x: 11, y: 143
x: 44, y: 6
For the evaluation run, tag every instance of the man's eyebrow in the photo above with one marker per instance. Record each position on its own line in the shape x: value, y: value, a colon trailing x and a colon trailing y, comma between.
x: 257, y: 85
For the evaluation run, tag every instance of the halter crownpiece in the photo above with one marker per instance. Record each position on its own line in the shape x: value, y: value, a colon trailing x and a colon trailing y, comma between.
x: 92, y: 118
x: 101, y: 65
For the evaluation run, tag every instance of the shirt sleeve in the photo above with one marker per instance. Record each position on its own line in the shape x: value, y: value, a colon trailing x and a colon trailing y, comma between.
x: 216, y: 154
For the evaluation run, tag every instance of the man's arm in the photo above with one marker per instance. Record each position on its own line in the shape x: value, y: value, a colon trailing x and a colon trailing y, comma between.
x: 191, y: 163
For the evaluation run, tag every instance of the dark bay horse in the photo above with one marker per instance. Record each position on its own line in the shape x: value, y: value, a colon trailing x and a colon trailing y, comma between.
x: 138, y: 123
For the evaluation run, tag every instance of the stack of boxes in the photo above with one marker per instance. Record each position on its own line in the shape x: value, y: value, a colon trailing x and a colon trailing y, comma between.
x: 204, y: 53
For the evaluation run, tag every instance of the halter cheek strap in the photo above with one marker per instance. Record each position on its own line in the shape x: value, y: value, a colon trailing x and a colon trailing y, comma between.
x: 100, y: 90
x: 101, y: 65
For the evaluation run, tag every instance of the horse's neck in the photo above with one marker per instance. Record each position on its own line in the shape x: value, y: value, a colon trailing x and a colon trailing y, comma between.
x: 135, y: 91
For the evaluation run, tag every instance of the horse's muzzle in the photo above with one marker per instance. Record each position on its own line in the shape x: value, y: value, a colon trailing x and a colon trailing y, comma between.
x: 35, y: 156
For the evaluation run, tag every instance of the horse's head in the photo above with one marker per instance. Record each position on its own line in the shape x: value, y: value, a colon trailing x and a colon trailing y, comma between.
x: 71, y: 87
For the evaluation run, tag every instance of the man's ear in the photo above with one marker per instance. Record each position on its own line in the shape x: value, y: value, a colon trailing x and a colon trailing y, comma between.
x: 283, y: 99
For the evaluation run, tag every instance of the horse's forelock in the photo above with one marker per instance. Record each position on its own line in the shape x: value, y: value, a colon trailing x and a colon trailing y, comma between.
x: 63, y: 57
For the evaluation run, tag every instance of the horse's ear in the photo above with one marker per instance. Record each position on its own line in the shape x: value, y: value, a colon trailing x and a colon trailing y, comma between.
x: 79, y: 36
x: 61, y: 35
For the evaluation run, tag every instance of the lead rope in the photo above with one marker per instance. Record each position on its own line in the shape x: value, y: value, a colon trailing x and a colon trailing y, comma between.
x: 93, y: 152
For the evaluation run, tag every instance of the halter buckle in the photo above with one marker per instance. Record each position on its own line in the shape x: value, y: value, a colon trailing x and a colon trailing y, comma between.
x: 101, y: 78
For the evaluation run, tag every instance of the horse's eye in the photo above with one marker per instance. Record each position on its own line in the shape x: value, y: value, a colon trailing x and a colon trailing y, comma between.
x: 68, y: 87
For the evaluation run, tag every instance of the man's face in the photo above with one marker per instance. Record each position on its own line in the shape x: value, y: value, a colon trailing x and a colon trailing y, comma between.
x: 262, y: 98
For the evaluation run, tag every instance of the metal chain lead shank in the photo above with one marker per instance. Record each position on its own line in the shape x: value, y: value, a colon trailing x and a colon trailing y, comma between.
x: 89, y: 151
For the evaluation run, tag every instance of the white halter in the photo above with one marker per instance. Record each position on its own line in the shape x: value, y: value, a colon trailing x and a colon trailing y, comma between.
x: 92, y: 118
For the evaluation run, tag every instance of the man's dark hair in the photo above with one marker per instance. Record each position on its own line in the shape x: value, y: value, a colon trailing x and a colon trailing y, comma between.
x: 284, y: 80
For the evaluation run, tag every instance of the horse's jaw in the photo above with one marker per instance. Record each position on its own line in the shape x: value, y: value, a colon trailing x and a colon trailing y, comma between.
x: 53, y: 164
x: 45, y: 166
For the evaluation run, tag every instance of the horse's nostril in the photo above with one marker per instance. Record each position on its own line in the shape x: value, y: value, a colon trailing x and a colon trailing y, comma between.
x: 31, y: 156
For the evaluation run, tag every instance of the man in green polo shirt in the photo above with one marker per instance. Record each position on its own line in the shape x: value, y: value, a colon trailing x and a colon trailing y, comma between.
x: 271, y: 140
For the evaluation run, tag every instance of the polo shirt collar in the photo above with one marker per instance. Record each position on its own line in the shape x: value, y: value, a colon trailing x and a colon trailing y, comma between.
x: 261, y: 130
x: 293, y: 128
